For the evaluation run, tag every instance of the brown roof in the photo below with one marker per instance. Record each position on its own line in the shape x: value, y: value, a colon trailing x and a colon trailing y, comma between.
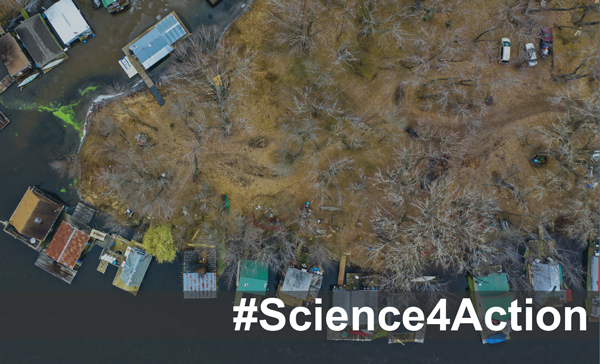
x: 35, y: 205
x: 67, y: 245
x: 11, y: 55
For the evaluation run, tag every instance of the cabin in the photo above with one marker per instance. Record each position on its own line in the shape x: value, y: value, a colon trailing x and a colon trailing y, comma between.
x: 252, y: 277
x: 299, y: 285
x: 547, y: 282
x: 592, y: 301
x: 130, y: 276
x: 199, y: 273
x: 157, y: 42
x: 17, y: 63
x: 63, y: 256
x: 45, y: 50
x: 34, y: 218
x: 489, y: 291
x: 348, y: 298
x: 68, y: 23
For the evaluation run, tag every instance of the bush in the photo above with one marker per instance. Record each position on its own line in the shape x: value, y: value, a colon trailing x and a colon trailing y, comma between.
x: 158, y: 241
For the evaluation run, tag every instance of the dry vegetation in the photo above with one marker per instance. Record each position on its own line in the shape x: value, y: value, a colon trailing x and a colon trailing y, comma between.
x: 409, y: 139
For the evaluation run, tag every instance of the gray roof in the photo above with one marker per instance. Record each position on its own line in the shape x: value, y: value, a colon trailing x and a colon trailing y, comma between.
x: 349, y: 299
x: 158, y: 42
x: 39, y: 42
x: 545, y: 277
x: 296, y: 283
x: 135, y: 267
x: 595, y: 272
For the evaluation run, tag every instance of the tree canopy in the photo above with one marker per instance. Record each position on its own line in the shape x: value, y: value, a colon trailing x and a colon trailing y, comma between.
x: 158, y: 241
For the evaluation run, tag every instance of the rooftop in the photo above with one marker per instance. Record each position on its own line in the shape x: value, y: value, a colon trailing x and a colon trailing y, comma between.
x: 67, y: 21
x: 12, y: 56
x: 197, y: 285
x: 135, y: 267
x: 67, y: 245
x: 347, y: 299
x: 253, y: 277
x: 296, y: 283
x: 157, y: 42
x: 39, y: 41
x: 36, y: 214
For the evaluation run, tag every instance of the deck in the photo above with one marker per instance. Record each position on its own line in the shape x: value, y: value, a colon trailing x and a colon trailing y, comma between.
x: 84, y: 213
x: 4, y: 121
x: 10, y: 230
x: 57, y: 270
x: 5, y: 84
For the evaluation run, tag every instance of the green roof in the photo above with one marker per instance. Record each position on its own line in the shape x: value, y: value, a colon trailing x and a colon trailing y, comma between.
x: 106, y: 3
x: 492, y: 291
x: 253, y: 277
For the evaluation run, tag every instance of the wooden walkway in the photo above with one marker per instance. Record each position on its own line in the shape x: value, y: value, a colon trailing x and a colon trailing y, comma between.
x: 84, y: 213
x: 142, y: 72
x: 102, y: 266
x: 5, y: 83
x: 4, y: 121
x: 57, y: 270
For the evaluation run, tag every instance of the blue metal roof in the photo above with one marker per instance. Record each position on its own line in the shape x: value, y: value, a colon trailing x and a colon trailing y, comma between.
x: 135, y: 267
x: 158, y: 42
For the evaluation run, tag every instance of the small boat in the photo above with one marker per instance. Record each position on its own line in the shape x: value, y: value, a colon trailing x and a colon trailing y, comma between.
x: 3, y: 121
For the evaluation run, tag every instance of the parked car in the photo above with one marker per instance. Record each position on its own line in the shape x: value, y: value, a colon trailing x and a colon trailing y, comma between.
x: 505, y: 53
x: 546, y: 42
x: 530, y: 52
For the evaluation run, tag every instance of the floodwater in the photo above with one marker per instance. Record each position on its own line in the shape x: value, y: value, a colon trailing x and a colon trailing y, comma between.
x: 47, y: 121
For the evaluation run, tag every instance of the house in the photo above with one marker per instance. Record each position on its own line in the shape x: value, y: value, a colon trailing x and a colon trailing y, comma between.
x: 63, y: 256
x: 158, y: 41
x: 45, y: 50
x: 199, y: 274
x: 348, y: 299
x: 17, y: 63
x: 299, y: 285
x: 68, y: 23
x: 547, y: 282
x: 130, y: 276
x: 34, y: 218
x: 487, y: 292
x: 593, y: 285
x: 67, y: 244
x: 252, y: 277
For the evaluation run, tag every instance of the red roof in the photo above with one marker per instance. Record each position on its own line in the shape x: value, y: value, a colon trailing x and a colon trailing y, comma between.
x: 67, y: 245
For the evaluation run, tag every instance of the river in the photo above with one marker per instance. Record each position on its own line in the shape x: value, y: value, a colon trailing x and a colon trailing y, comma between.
x: 47, y: 121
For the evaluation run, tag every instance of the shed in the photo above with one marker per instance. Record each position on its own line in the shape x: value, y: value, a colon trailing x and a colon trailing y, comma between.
x: 13, y: 57
x: 492, y: 291
x: 67, y: 244
x: 135, y: 267
x: 40, y: 43
x: 296, y: 283
x: 547, y: 282
x: 67, y: 22
x: 158, y: 41
x: 252, y: 277
x: 36, y: 214
x: 347, y: 299
x: 196, y: 285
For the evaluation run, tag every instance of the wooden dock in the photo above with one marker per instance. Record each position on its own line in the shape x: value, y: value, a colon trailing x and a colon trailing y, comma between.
x: 57, y: 270
x: 102, y: 266
x: 5, y: 83
x: 4, y: 121
x: 84, y: 213
x: 142, y: 72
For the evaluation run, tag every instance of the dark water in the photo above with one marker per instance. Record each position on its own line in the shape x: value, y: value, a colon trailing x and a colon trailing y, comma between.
x: 36, y: 136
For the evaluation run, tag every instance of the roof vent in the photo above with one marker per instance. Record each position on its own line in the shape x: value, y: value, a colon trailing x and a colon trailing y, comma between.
x: 38, y: 220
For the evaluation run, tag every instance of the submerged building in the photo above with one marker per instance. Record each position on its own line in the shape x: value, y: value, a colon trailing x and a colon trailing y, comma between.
x: 45, y: 50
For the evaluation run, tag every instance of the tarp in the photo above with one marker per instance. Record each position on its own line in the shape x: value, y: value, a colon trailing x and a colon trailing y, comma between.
x: 67, y: 21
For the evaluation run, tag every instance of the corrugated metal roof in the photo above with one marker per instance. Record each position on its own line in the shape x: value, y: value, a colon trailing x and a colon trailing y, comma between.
x: 135, y: 267
x: 545, y: 277
x: 158, y: 42
x: 350, y: 299
x: 67, y: 245
x: 296, y: 283
x: 67, y: 21
x: 197, y: 286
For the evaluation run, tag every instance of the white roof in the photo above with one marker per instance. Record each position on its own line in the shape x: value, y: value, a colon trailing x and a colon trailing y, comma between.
x: 67, y: 21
